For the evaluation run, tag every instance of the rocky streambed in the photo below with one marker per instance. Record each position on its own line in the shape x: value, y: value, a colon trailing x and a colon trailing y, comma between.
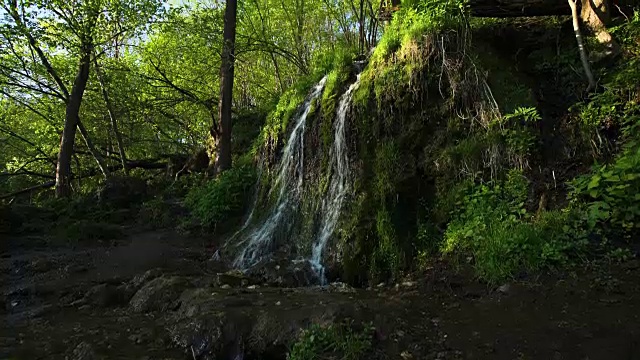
x: 158, y: 295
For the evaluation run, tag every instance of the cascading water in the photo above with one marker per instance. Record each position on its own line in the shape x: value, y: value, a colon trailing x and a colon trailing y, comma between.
x: 338, y: 185
x: 289, y: 180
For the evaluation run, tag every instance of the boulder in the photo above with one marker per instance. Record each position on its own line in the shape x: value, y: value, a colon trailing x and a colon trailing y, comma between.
x: 109, y: 295
x: 233, y: 278
x: 121, y: 192
x: 159, y: 294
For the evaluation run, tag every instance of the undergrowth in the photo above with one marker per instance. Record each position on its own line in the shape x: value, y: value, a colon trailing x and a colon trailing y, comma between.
x: 222, y: 198
x: 336, y: 341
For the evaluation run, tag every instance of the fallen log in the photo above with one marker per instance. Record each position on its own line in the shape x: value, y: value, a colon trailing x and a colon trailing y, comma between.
x: 28, y: 190
x: 517, y: 8
x: 147, y: 164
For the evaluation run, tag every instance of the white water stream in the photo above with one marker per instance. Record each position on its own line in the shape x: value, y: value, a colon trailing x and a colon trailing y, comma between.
x: 338, y: 185
x: 289, y: 180
x: 258, y: 241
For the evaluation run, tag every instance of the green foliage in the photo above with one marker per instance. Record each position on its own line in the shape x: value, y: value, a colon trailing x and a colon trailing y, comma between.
x: 612, y: 192
x: 223, y: 197
x: 492, y: 225
x: 332, y: 342
x: 516, y: 128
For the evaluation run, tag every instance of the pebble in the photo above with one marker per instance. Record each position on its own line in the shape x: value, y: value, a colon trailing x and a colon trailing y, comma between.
x: 409, y: 284
x: 406, y: 355
x: 253, y: 287
x: 225, y: 286
x: 504, y: 289
x: 278, y: 303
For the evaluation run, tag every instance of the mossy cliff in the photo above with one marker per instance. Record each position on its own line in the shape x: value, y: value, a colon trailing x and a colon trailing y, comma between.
x: 467, y: 147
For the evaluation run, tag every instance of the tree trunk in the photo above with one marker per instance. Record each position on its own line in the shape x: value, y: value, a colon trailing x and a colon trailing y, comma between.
x: 93, y: 150
x: 596, y: 14
x: 583, y: 52
x: 361, y: 42
x: 223, y: 141
x: 112, y: 116
x: 63, y: 170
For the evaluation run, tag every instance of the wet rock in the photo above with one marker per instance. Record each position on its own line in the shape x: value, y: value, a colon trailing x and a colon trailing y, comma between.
x: 225, y: 286
x: 409, y: 284
x: 341, y: 288
x: 207, y: 322
x: 108, y: 295
x: 284, y: 274
x: 84, y: 351
x: 504, y: 289
x: 145, y: 277
x: 159, y: 294
x: 233, y: 278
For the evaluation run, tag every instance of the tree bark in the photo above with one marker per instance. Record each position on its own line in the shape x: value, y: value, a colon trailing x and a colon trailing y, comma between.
x: 112, y: 116
x: 223, y: 140
x: 63, y: 170
x: 583, y: 53
x: 596, y: 14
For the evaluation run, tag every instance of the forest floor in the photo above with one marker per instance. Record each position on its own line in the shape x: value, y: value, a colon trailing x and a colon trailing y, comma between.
x: 74, y: 303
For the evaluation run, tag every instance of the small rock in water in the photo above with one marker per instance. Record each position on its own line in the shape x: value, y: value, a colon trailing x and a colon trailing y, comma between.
x: 409, y: 284
x: 504, y: 289
x: 84, y: 351
x: 278, y: 303
x: 406, y: 355
x: 253, y: 287
x: 341, y: 288
x: 277, y: 267
x: 225, y: 286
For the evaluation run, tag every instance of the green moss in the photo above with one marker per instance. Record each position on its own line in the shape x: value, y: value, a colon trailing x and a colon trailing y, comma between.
x: 386, y: 259
x: 386, y: 169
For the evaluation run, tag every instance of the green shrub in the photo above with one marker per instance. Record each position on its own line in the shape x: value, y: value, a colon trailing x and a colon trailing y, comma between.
x: 222, y: 198
x: 492, y: 225
x: 332, y: 342
x: 612, y: 192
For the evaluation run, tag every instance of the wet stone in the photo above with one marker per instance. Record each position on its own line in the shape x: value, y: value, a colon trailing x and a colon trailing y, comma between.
x: 84, y: 351
x: 159, y: 294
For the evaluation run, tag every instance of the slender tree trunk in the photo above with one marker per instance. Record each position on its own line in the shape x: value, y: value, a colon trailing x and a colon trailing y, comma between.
x: 93, y: 150
x: 112, y: 116
x: 63, y: 170
x: 361, y: 27
x: 583, y: 52
x: 277, y: 68
x: 223, y: 153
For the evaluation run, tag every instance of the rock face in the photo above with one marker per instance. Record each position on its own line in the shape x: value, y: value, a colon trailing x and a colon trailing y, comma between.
x: 249, y: 323
x: 159, y: 294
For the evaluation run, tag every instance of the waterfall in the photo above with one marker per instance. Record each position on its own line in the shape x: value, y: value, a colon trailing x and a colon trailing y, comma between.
x: 288, y: 182
x: 338, y: 185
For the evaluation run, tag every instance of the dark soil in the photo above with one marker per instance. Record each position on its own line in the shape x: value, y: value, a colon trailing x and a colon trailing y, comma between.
x: 102, y: 302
